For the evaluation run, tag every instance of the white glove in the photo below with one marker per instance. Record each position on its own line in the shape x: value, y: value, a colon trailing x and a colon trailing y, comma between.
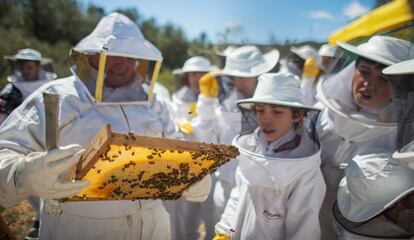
x: 198, y: 192
x: 41, y: 173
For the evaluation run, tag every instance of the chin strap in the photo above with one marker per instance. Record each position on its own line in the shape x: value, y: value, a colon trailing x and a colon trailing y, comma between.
x: 101, y: 74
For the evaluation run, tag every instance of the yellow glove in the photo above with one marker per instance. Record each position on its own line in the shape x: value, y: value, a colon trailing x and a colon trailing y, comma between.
x: 209, y: 86
x: 310, y: 69
x: 221, y: 237
x: 185, y: 127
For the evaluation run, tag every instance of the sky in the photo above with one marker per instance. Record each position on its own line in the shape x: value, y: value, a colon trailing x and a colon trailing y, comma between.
x: 242, y: 21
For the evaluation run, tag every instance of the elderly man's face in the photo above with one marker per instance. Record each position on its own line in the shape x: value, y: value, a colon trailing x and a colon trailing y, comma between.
x: 29, y: 69
x: 370, y: 87
x: 119, y: 71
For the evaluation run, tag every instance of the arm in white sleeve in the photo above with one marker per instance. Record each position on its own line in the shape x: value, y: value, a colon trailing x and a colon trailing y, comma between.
x: 226, y: 224
x: 302, y: 219
x: 205, y: 123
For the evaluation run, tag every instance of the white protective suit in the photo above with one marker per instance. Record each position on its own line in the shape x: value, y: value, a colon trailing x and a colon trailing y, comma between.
x: 181, y: 104
x: 186, y: 216
x: 277, y: 195
x: 81, y: 117
x: 345, y: 132
x: 219, y: 123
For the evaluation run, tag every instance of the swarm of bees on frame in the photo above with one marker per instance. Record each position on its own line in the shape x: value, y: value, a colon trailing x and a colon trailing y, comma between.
x: 130, y: 172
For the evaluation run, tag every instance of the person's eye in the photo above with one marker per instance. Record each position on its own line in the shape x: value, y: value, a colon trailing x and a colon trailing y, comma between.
x: 259, y: 110
x: 277, y: 112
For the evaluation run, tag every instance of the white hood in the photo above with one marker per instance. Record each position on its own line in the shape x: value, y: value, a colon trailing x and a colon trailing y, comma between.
x: 253, y: 165
x: 120, y: 37
x: 343, y: 117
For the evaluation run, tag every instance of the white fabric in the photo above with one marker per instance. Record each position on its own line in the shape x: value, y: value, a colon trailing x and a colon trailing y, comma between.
x: 181, y: 104
x: 372, y: 183
x: 405, y: 158
x: 345, y: 132
x: 327, y: 50
x: 162, y: 91
x: 39, y: 173
x: 195, y: 64
x: 198, y: 192
x: 80, y: 119
x: 406, y: 67
x: 383, y: 49
x: 279, y: 89
x: 274, y: 197
x: 248, y: 61
x: 304, y: 51
x: 118, y: 36
x: 216, y: 123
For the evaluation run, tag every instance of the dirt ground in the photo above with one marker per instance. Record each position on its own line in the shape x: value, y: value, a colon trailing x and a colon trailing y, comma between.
x: 18, y: 218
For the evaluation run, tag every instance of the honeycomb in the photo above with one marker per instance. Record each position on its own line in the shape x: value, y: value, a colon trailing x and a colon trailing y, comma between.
x: 129, y: 167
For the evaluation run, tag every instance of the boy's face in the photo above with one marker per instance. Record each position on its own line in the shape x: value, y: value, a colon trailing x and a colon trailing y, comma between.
x: 193, y: 81
x: 245, y: 85
x: 275, y: 121
x: 370, y: 87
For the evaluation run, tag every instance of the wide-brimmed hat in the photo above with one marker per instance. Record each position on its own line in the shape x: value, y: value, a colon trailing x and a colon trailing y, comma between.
x: 327, y: 50
x: 304, y: 51
x: 28, y: 54
x: 248, y: 61
x: 194, y: 64
x: 406, y: 67
x: 372, y: 184
x: 383, y: 49
x: 277, y: 89
x: 118, y: 36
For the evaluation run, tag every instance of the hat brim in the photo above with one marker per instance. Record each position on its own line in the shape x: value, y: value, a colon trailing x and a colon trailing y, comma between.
x: 43, y: 61
x: 182, y: 71
x: 364, y: 54
x: 406, y: 67
x: 271, y: 59
x: 364, y: 212
x: 249, y: 102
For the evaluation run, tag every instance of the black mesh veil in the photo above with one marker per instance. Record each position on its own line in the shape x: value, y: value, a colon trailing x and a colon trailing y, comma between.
x: 403, y: 97
x: 249, y: 122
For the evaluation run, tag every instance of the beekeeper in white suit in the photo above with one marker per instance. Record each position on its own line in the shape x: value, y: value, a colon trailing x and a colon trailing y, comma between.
x: 220, y: 122
x: 187, y: 216
x: 359, y: 114
x: 279, y: 185
x: 376, y: 199
x: 86, y: 104
x: 185, y: 98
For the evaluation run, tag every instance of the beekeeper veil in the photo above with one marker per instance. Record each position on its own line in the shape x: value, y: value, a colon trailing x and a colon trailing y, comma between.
x: 117, y: 36
x: 401, y: 77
